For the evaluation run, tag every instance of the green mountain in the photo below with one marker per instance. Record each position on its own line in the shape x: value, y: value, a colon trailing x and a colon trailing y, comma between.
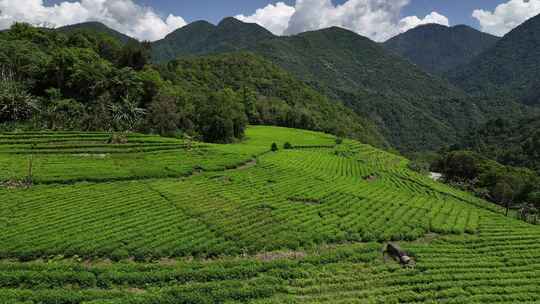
x: 96, y: 27
x: 410, y: 108
x: 413, y: 110
x: 438, y: 49
x: 202, y: 37
x: 271, y: 96
x: 510, y: 68
x: 202, y: 96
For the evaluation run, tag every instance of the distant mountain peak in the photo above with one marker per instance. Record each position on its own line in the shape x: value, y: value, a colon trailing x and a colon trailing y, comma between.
x: 463, y: 26
x: 198, y: 24
x: 334, y: 32
x: 201, y: 37
x: 438, y: 48
x: 96, y: 26
x: 230, y: 21
x: 430, y: 25
x: 509, y: 68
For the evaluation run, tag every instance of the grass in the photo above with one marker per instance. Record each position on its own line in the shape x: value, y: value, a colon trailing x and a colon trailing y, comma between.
x: 305, y: 225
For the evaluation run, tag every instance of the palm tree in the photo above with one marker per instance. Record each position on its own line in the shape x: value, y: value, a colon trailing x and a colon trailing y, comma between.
x: 126, y: 115
x: 16, y: 104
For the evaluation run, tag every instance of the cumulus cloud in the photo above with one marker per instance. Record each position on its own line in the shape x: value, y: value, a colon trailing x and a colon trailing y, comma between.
x: 411, y: 22
x: 124, y: 16
x: 275, y: 18
x: 376, y: 19
x: 507, y: 16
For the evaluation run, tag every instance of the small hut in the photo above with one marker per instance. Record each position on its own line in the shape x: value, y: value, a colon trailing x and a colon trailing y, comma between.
x: 399, y: 254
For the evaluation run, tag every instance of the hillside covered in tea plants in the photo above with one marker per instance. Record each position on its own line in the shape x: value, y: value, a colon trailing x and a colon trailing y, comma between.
x: 285, y: 216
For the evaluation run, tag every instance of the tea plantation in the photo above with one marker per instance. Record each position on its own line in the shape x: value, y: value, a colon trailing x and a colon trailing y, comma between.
x: 158, y: 220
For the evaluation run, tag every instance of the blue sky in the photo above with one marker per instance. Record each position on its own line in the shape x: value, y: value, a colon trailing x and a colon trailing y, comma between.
x: 458, y: 11
x: 376, y: 19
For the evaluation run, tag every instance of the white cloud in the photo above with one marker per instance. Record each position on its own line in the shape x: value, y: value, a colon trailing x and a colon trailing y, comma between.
x: 411, y: 22
x: 122, y: 15
x: 275, y: 18
x: 376, y: 19
x: 507, y: 16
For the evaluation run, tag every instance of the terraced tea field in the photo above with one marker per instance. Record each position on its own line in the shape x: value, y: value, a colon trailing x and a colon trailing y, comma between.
x: 159, y: 220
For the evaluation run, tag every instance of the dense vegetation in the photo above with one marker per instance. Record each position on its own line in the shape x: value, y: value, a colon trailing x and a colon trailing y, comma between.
x: 95, y: 27
x: 509, y: 186
x: 411, y: 109
x: 163, y: 220
x: 90, y: 214
x: 44, y: 73
x: 513, y: 143
x: 270, y: 95
x: 438, y: 49
x: 510, y: 68
x: 201, y: 37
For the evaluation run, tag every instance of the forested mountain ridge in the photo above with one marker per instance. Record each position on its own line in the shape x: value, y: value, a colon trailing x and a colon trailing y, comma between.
x: 510, y: 68
x: 270, y: 95
x: 44, y: 72
x: 514, y: 143
x: 201, y: 37
x: 438, y: 48
x: 96, y: 27
x: 413, y: 110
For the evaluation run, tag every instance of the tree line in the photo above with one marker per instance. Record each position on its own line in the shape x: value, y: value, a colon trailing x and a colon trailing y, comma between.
x: 87, y: 80
x: 511, y: 187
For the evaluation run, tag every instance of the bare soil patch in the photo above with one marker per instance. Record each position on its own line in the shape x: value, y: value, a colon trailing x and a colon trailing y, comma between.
x: 15, y: 184
x: 248, y: 165
x: 305, y: 200
x: 271, y: 256
x: 371, y: 178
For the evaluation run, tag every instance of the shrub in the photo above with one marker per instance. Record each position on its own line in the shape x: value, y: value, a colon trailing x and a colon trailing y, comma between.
x: 15, y: 103
x: 163, y: 115
x: 419, y: 166
x: 274, y: 147
x: 287, y: 146
x: 117, y: 138
x: 339, y: 141
x: 119, y: 254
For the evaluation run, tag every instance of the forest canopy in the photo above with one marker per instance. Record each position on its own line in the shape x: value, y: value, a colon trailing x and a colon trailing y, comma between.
x: 87, y: 80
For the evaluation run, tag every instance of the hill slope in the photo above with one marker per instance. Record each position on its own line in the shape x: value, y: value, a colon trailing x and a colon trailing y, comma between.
x: 271, y: 96
x: 200, y: 223
x: 515, y: 143
x: 438, y: 49
x: 413, y: 110
x: 511, y: 67
x: 97, y: 27
x: 201, y: 37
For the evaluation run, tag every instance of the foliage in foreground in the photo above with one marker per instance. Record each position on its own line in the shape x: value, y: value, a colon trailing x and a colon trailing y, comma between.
x: 301, y: 225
